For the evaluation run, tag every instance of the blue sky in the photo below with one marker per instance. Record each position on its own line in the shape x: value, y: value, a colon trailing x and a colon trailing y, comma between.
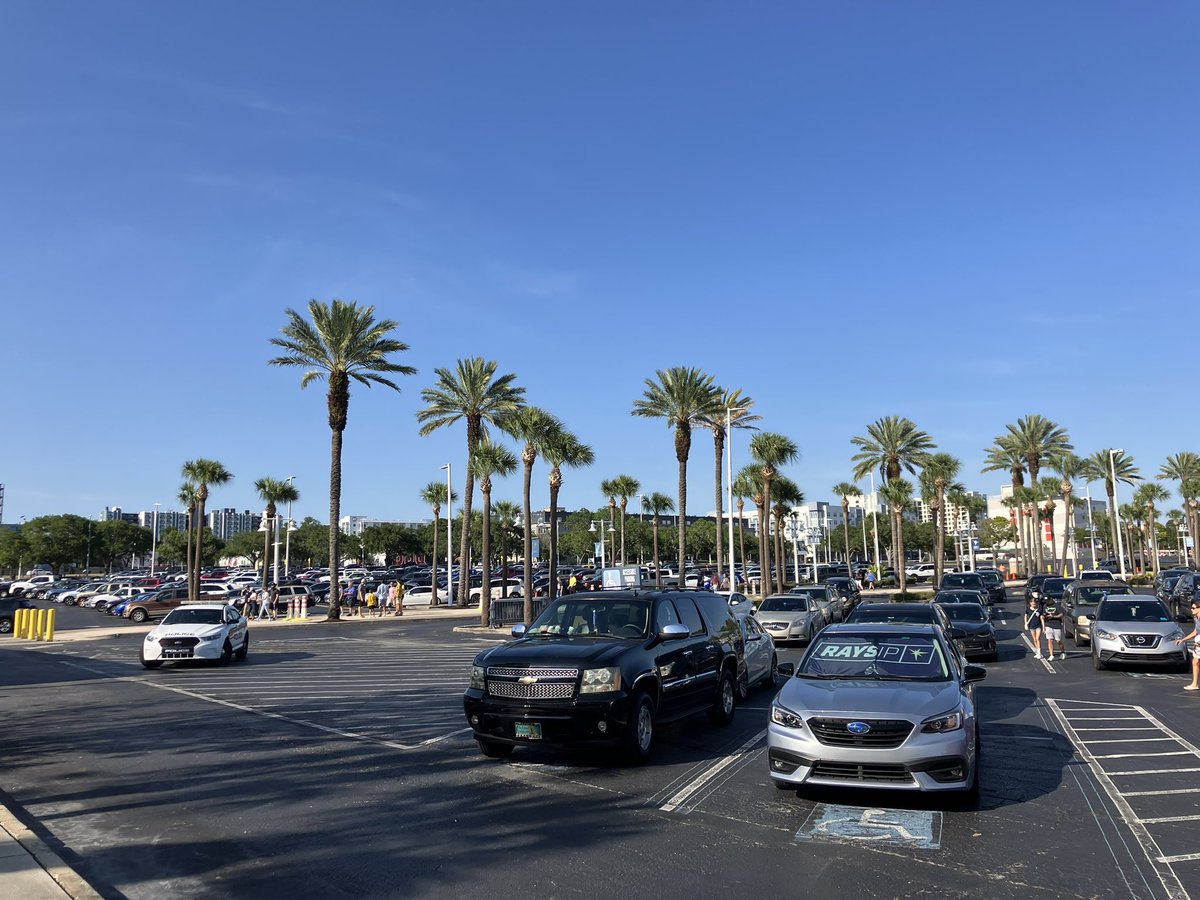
x: 962, y: 213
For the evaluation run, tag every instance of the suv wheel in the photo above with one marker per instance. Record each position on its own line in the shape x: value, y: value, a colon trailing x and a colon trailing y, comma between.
x: 1099, y: 664
x: 493, y: 750
x: 723, y: 706
x: 639, y: 733
x: 6, y: 626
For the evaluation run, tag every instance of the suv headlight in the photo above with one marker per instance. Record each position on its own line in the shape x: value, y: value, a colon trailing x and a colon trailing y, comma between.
x: 1105, y: 635
x: 1174, y: 635
x: 951, y: 721
x: 478, y: 679
x: 781, y: 715
x: 600, y: 681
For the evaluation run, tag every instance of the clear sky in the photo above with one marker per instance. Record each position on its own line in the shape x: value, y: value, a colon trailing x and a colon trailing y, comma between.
x: 958, y: 212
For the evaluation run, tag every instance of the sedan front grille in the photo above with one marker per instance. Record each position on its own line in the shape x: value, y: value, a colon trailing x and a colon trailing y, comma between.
x: 179, y: 642
x: 542, y: 690
x: 877, y: 773
x: 883, y: 734
x: 1141, y: 641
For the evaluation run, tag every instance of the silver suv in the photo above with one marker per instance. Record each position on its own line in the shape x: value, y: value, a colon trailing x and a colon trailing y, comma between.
x: 1136, y: 629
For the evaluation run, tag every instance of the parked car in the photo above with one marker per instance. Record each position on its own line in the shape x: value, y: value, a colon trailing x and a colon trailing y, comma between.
x: 919, y: 572
x: 1179, y: 603
x: 960, y: 597
x: 827, y: 600
x: 995, y: 584
x: 27, y: 585
x: 979, y: 635
x: 1033, y: 582
x: 846, y: 588
x: 739, y: 603
x: 1051, y: 589
x: 8, y: 612
x: 1079, y: 603
x: 761, y: 658
x: 1094, y: 575
x: 791, y: 617
x: 606, y: 668
x: 213, y: 631
x: 1137, y: 629
x: 880, y: 706
x: 960, y: 581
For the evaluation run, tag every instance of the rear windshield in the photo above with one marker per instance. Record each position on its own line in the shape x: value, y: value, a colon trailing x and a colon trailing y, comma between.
x: 1055, y: 584
x: 784, y: 604
x: 1090, y: 596
x: 884, y: 657
x: 922, y: 615
x: 971, y: 580
x: 965, y: 612
x: 815, y: 593
x: 1132, y: 611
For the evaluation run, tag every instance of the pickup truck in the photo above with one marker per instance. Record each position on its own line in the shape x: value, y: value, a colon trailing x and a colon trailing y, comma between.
x: 20, y: 588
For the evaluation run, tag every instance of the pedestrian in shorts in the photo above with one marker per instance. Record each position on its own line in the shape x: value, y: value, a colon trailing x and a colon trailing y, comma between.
x: 1052, y: 627
x: 1194, y: 637
x: 1033, y: 624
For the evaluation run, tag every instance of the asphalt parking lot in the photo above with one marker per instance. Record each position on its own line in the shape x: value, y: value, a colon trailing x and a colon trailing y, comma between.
x: 335, y: 762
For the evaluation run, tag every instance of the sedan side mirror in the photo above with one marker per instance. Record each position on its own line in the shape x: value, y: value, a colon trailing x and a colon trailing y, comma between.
x: 674, y: 632
x: 957, y: 634
x: 973, y: 673
x: 787, y: 670
x: 518, y: 630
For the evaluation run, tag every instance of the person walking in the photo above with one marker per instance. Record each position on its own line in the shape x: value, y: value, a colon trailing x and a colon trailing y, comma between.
x: 1194, y: 637
x: 400, y: 592
x: 1033, y: 624
x: 1052, y: 628
x: 870, y: 579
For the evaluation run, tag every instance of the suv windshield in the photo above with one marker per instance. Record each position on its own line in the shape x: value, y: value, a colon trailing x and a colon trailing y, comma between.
x: 784, y: 604
x: 194, y: 617
x: 814, y: 592
x: 1132, y: 611
x: 889, y: 657
x: 965, y: 612
x: 593, y: 617
x: 970, y: 580
x: 1090, y: 596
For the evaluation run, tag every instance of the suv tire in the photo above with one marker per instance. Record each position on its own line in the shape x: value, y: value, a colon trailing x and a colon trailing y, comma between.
x: 1099, y: 664
x: 725, y: 702
x: 493, y: 750
x: 638, y: 742
x: 241, y: 654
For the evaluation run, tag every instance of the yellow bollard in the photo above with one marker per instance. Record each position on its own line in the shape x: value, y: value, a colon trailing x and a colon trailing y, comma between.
x: 30, y: 623
x: 51, y: 615
x: 40, y: 626
x: 18, y: 623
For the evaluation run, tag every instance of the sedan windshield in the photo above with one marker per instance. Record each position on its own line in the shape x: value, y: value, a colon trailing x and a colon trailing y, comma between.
x: 593, y: 618
x: 887, y: 657
x: 1090, y: 596
x: 815, y: 593
x: 965, y: 612
x: 183, y: 616
x: 1132, y: 611
x: 784, y: 604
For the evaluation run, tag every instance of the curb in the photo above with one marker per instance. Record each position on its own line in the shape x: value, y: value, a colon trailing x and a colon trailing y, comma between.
x: 67, y: 879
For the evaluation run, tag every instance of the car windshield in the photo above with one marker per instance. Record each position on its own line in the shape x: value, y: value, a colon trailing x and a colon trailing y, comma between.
x: 1133, y: 611
x: 185, y: 616
x: 957, y: 597
x: 886, y: 657
x: 965, y: 612
x: 1055, y: 584
x: 815, y: 593
x: 1090, y: 596
x: 961, y: 580
x: 785, y: 604
x: 593, y: 617
x: 916, y: 616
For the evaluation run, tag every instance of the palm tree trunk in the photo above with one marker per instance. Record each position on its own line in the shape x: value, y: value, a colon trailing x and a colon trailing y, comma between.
x: 1053, y: 541
x: 845, y: 533
x: 940, y: 538
x: 190, y: 561
x: 335, y: 513
x: 779, y: 557
x: 1069, y: 551
x: 527, y: 458
x: 742, y: 532
x: 719, y: 446
x: 474, y: 434
x: 266, y: 550
x: 552, y: 587
x: 433, y: 585
x: 681, y: 512
x: 657, y: 567
x: 485, y: 590
x: 1154, y: 540
x: 194, y: 587
x: 899, y: 529
x: 1112, y: 519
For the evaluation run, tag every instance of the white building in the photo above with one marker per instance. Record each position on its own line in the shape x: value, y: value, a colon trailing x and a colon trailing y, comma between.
x: 225, y: 523
x: 1078, y: 518
x: 356, y: 525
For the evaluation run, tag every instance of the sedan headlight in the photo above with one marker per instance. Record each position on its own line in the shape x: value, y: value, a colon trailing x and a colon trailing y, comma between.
x: 211, y: 637
x: 600, y: 681
x: 151, y: 639
x: 781, y: 715
x: 1105, y: 635
x: 951, y: 721
x: 478, y: 680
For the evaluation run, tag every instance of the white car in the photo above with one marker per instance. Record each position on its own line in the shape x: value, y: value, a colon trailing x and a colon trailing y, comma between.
x: 739, y: 603
x: 197, y: 631
x: 761, y: 659
x: 29, y: 585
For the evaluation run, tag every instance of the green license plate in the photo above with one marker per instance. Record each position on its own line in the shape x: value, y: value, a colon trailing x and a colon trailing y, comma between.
x: 531, y: 731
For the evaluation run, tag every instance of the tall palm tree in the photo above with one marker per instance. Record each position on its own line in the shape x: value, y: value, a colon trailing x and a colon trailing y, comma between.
x: 1185, y: 468
x: 1150, y: 496
x: 743, y: 487
x: 471, y: 393
x: 681, y: 396
x: 938, y: 473
x: 845, y: 490
x: 658, y: 505
x: 786, y: 494
x: 434, y: 495
x: 898, y: 495
x: 506, y: 513
x: 626, y: 487
x: 728, y: 406
x: 564, y: 450
x: 1101, y: 466
x: 1003, y: 456
x: 1048, y: 491
x: 771, y: 450
x: 489, y: 459
x: 608, y: 488
x: 187, y: 498
x: 343, y: 342
x: 892, y: 444
x: 1037, y: 438
x: 1068, y: 467
x: 273, y: 491
x: 202, y: 473
x: 536, y: 428
x: 1175, y: 520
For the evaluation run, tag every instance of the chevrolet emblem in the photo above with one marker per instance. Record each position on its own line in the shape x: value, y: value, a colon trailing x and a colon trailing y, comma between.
x: 528, y: 679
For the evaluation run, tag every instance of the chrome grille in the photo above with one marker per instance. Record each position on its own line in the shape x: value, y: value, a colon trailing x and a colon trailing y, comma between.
x: 501, y: 672
x: 542, y: 690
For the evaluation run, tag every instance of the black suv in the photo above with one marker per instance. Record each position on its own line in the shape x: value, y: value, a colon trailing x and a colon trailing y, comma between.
x: 965, y: 581
x: 8, y: 612
x: 995, y: 585
x: 604, y: 668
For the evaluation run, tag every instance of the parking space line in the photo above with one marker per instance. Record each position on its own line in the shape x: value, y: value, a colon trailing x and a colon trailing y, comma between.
x: 693, y: 786
x: 1045, y: 662
x: 1182, y: 857
x: 1138, y: 755
x: 1132, y: 740
x: 1160, y: 819
x: 1154, y: 772
x: 1166, y: 793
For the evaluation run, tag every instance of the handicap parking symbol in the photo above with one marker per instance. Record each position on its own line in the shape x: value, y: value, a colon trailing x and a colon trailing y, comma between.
x: 870, y: 824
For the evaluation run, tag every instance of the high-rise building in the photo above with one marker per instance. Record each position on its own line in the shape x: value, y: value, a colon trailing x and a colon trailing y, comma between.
x: 114, y: 514
x: 225, y: 523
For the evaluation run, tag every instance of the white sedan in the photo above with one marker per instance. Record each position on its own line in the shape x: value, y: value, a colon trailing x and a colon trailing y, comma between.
x: 197, y: 631
x: 761, y: 659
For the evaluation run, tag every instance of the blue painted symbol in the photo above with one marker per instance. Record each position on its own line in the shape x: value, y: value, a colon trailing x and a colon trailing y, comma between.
x: 858, y: 727
x: 872, y: 825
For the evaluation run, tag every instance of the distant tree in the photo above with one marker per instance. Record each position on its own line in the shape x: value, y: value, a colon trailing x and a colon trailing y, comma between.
x: 14, y: 550
x: 658, y: 505
x: 58, y: 541
x: 119, y: 541
x: 244, y: 544
x: 202, y: 473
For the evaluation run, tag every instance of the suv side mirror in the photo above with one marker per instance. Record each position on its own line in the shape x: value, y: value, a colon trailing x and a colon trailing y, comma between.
x: 673, y: 632
x: 518, y: 630
x: 787, y: 670
x: 973, y: 673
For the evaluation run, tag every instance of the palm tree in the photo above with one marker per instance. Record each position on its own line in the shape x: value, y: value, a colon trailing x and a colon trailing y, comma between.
x: 891, y: 445
x: 609, y: 489
x: 898, y: 495
x: 489, y: 459
x: 1150, y: 496
x: 786, y: 494
x: 1037, y: 438
x: 564, y: 450
x: 1048, y: 490
x: 771, y: 450
x: 728, y: 406
x: 1101, y: 466
x: 470, y: 392
x: 626, y: 487
x: 434, y: 496
x: 1175, y: 519
x: 536, y: 428
x: 273, y: 491
x: 658, y: 505
x: 202, y: 473
x: 743, y: 487
x: 938, y: 474
x: 342, y: 342
x: 1185, y: 468
x: 682, y: 397
x: 1068, y: 467
x: 187, y: 498
x: 506, y: 513
x: 845, y: 490
x: 1003, y: 456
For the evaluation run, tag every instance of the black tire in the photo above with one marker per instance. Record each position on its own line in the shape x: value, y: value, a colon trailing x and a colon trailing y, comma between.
x: 6, y: 626
x: 769, y: 678
x: 971, y: 794
x: 743, y: 687
x: 138, y: 616
x: 638, y: 742
x: 241, y: 654
x: 226, y: 652
x: 149, y: 663
x: 493, y: 750
x: 725, y: 702
x: 1099, y: 664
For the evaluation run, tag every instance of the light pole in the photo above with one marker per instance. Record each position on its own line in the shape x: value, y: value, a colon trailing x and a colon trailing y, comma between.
x: 287, y: 550
x: 729, y: 489
x: 449, y: 538
x: 1116, y: 510
x: 154, y: 542
x: 1091, y: 527
x: 603, y: 558
x: 875, y: 523
x: 795, y: 517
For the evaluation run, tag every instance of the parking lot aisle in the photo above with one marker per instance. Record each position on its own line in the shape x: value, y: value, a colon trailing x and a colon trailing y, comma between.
x: 1148, y: 771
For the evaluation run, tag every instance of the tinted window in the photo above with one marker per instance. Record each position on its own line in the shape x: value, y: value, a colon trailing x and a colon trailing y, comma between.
x: 885, y: 657
x: 965, y: 612
x: 922, y: 615
x: 1132, y: 611
x: 691, y: 615
x: 665, y: 615
x: 784, y: 604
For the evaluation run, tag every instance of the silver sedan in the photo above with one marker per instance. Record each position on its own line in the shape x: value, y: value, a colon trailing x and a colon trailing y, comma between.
x: 791, y: 617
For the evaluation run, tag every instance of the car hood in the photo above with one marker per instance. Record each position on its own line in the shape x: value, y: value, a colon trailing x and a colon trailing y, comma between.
x: 190, y: 630
x: 868, y: 697
x: 973, y: 627
x: 784, y: 618
x: 571, y: 652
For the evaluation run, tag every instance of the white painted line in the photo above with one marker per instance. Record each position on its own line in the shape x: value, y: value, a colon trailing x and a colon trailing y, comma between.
x: 1183, y: 857
x: 1154, y: 772
x: 1045, y: 662
x: 1107, y: 730
x: 682, y: 796
x: 1168, y: 792
x: 1109, y: 719
x: 1161, y: 819
x: 1141, y: 755
x: 1102, y: 703
x: 1132, y: 740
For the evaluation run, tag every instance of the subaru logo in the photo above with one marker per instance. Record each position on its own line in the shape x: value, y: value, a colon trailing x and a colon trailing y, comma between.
x: 858, y: 727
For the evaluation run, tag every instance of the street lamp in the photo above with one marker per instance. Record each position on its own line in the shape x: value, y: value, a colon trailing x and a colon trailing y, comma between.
x: 875, y: 522
x: 1091, y: 526
x: 287, y: 550
x: 449, y: 539
x: 729, y: 411
x: 1116, y: 510
x: 592, y: 529
x: 154, y: 542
